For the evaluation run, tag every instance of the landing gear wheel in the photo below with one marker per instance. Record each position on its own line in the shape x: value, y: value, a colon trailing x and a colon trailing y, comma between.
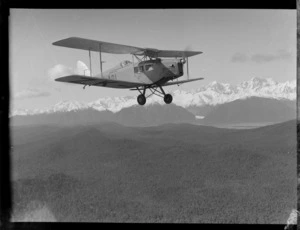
x: 168, y: 98
x: 141, y: 99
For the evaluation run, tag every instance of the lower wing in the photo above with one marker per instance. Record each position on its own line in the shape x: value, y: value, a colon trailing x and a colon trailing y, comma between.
x: 94, y: 81
x: 181, y: 82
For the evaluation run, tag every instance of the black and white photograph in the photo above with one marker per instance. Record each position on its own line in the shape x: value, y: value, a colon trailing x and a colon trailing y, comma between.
x: 153, y: 115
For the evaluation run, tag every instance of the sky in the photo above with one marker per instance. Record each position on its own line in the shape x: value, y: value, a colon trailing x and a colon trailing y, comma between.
x: 237, y: 45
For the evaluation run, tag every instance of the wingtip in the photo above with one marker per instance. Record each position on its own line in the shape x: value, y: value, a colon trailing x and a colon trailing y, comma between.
x: 193, y: 53
x: 61, y: 78
x: 57, y: 43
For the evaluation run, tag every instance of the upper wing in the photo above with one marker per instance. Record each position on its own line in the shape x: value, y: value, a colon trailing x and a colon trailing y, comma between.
x: 79, y: 79
x: 170, y: 53
x: 181, y: 82
x: 93, y: 45
x: 106, y: 47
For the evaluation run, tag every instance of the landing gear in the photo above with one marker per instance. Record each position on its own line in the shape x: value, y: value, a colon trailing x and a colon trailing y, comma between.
x: 168, y: 98
x: 141, y: 99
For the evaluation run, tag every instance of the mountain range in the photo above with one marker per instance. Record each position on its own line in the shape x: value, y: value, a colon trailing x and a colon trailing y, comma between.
x: 155, y: 114
x: 255, y: 101
x: 198, y: 101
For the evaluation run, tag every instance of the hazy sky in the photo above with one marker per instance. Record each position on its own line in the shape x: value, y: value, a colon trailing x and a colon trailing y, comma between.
x: 236, y: 44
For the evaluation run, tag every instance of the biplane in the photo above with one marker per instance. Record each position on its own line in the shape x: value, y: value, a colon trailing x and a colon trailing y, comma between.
x: 152, y: 70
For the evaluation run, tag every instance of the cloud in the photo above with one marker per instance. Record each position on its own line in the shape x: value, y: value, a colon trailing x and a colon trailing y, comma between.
x: 239, y: 57
x: 261, y: 58
x: 31, y: 93
x: 62, y: 70
x: 59, y: 71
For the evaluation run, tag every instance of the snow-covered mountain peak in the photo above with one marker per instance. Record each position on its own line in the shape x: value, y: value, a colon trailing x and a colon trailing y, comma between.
x: 256, y: 83
x: 212, y: 84
x: 271, y: 81
x: 215, y: 86
x: 67, y: 106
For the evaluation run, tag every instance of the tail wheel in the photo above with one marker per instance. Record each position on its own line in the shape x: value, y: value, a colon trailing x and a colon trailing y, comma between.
x: 141, y: 99
x: 168, y: 98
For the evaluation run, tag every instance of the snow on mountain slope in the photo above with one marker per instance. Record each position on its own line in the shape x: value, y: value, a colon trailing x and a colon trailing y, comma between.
x: 62, y: 106
x: 219, y: 93
x: 67, y: 106
x: 213, y: 94
x: 113, y: 104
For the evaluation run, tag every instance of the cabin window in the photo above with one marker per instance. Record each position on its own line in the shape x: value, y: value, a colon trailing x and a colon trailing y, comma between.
x: 148, y: 67
x: 141, y: 68
x: 136, y: 69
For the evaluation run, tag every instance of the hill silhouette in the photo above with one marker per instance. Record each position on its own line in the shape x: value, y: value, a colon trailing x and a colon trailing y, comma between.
x: 168, y: 173
x: 252, y: 110
x: 151, y: 115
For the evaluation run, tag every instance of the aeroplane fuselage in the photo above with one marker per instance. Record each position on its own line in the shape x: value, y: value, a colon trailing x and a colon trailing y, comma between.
x: 146, y: 72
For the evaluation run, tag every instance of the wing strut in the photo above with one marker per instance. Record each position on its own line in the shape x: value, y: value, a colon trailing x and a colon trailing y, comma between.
x: 100, y: 58
x: 90, y: 63
x: 132, y: 61
x: 187, y: 66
